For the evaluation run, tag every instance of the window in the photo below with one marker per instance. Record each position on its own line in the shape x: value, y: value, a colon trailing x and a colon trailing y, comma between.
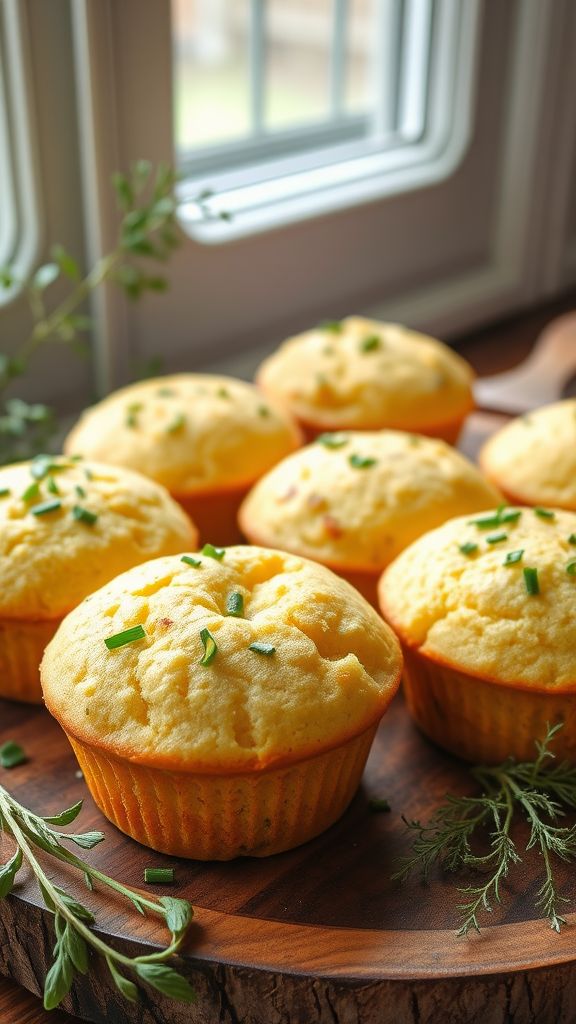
x: 288, y: 108
x: 19, y: 199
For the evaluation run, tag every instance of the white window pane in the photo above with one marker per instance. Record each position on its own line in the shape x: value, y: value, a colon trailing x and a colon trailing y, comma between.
x: 298, y: 46
x: 211, y: 71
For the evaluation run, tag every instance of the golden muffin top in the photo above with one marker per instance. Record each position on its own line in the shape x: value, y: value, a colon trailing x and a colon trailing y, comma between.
x: 189, y: 432
x: 533, y: 457
x: 494, y: 595
x: 357, y: 499
x: 363, y: 374
x: 247, y: 658
x: 67, y: 527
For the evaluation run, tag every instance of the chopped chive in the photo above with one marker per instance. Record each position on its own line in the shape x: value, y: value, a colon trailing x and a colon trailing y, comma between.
x: 497, y: 518
x: 212, y: 552
x: 223, y: 393
x: 76, y: 458
x: 333, y: 440
x: 468, y: 548
x: 261, y: 648
x: 571, y: 568
x: 544, y: 513
x: 165, y: 392
x: 176, y: 424
x: 88, y: 474
x: 332, y: 326
x: 31, y: 492
x: 11, y: 754
x: 361, y: 461
x: 46, y: 506
x: 127, y: 636
x: 80, y: 491
x: 52, y: 486
x: 531, y: 581
x: 209, y: 645
x: 158, y: 876
x: 370, y: 343
x: 513, y: 556
x: 131, y: 414
x: 572, y: 538
x: 263, y: 411
x: 378, y: 805
x: 191, y: 561
x: 41, y: 465
x: 235, y: 605
x: 496, y: 538
x: 83, y: 515
x: 4, y: 492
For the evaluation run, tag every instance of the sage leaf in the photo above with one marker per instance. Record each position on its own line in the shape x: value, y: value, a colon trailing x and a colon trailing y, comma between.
x: 166, y: 980
x: 58, y: 981
x: 8, y: 873
x: 179, y: 914
x: 126, y: 987
x: 65, y: 817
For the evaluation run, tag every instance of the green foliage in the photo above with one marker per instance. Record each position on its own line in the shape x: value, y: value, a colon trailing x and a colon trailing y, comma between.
x: 538, y: 791
x: 147, y: 236
x: 72, y: 920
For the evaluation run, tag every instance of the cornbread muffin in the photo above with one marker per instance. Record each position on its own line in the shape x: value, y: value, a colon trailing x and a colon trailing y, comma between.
x: 242, y: 711
x: 533, y: 458
x: 355, y: 500
x: 65, y: 529
x: 485, y: 608
x: 359, y: 374
x: 207, y: 439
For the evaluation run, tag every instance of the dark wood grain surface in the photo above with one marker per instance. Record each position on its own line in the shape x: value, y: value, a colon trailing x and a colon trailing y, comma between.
x: 319, y: 934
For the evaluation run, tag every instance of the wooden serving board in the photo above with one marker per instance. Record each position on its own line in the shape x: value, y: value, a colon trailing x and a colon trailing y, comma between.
x: 316, y: 935
x: 319, y: 935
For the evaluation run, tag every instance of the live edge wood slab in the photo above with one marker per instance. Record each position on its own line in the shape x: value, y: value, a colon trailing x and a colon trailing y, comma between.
x: 319, y: 935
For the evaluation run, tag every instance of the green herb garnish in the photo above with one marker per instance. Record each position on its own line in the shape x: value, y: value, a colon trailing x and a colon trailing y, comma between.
x: 261, y: 648
x: 571, y: 568
x: 378, y: 806
x: 497, y: 518
x: 195, y: 562
x: 209, y: 645
x: 176, y: 424
x: 80, y: 491
x: 45, y: 507
x: 223, y: 393
x: 263, y: 411
x: 36, y: 838
x: 132, y: 411
x: 88, y: 474
x: 212, y: 552
x: 31, y: 492
x: 158, y: 876
x: 496, y: 538
x: 468, y: 548
x: 541, y: 793
x: 361, y: 461
x: 11, y: 755
x: 127, y: 636
x: 332, y: 326
x: 4, y: 492
x: 370, y: 343
x: 333, y: 440
x: 165, y: 392
x: 513, y: 556
x: 83, y: 515
x: 235, y: 605
x: 531, y: 581
x: 544, y: 513
x: 52, y: 486
x: 572, y: 538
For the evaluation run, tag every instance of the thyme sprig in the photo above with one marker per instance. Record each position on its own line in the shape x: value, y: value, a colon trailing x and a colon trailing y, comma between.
x: 72, y: 920
x: 541, y: 792
x: 147, y: 234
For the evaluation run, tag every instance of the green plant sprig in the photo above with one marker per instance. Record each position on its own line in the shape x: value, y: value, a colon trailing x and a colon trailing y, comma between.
x: 72, y: 920
x: 537, y: 790
x: 147, y: 231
